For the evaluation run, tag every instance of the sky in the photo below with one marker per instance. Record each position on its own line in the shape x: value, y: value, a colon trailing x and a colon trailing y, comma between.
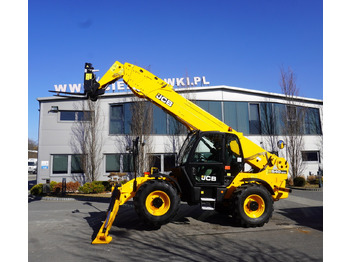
x: 241, y: 43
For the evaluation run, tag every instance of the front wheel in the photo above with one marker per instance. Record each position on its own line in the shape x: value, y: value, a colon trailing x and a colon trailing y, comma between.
x: 253, y: 205
x: 156, y: 202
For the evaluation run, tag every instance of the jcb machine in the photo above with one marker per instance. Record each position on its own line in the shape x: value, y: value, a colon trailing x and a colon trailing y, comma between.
x: 210, y: 165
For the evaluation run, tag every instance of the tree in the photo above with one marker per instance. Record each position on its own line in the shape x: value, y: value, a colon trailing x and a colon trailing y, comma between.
x: 32, y: 148
x: 268, y: 126
x: 87, y: 139
x: 140, y: 125
x: 292, y: 120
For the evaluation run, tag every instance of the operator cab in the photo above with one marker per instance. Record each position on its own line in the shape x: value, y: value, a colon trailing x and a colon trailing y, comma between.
x: 209, y: 161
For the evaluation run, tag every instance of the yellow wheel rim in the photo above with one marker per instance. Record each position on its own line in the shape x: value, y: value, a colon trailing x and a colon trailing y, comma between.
x: 157, y: 203
x: 254, y: 206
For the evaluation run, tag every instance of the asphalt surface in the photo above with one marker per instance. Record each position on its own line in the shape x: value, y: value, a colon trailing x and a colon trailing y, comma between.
x: 62, y: 230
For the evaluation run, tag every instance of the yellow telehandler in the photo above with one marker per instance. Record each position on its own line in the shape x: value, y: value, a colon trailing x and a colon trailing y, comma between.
x: 210, y: 164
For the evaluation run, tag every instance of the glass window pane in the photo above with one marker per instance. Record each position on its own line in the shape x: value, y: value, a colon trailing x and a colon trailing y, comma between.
x: 116, y: 123
x: 113, y: 163
x: 159, y: 121
x: 310, y: 156
x: 230, y: 114
x: 127, y: 117
x: 233, y: 156
x: 215, y: 109
x: 242, y: 117
x: 209, y: 149
x: 292, y: 113
x: 84, y: 116
x: 280, y: 113
x: 60, y: 164
x: 169, y: 161
x: 203, y: 104
x: 175, y: 127
x: 312, y: 122
x: 236, y: 116
x: 128, y: 163
x: 154, y: 161
x: 267, y: 118
x: 76, y: 164
x: 186, y: 149
x: 254, y: 119
x: 67, y: 115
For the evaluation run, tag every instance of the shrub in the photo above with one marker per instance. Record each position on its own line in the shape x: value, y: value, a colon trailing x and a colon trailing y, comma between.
x: 299, y: 181
x: 52, y: 185
x: 312, y: 179
x: 37, y: 189
x: 70, y: 187
x: 57, y: 188
x: 107, y: 185
x: 93, y: 187
x: 289, y: 181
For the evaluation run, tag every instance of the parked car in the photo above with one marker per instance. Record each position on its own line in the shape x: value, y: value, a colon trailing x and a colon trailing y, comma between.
x: 32, y: 165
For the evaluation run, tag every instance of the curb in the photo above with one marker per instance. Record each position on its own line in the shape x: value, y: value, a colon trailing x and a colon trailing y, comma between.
x: 306, y: 189
x: 47, y: 198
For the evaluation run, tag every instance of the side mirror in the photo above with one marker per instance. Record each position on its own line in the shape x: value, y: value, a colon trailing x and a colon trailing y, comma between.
x: 280, y: 144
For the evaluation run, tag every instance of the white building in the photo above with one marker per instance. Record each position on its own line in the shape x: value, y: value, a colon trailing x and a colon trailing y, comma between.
x: 242, y: 109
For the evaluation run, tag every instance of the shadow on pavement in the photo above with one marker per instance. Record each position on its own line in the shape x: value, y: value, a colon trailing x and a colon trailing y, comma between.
x: 305, y: 216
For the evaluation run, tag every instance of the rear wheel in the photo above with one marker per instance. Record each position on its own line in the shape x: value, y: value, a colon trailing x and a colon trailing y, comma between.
x: 253, y: 205
x: 156, y: 202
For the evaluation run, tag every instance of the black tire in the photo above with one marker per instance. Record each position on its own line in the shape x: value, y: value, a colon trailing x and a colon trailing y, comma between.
x: 156, y: 202
x: 253, y: 205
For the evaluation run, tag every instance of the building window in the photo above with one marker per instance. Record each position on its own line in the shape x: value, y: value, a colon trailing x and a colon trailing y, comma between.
x: 279, y: 113
x: 311, y: 156
x: 169, y: 161
x: 154, y: 160
x: 254, y: 119
x: 116, y: 120
x: 236, y: 115
x: 83, y: 115
x: 75, y: 116
x: 67, y: 115
x: 267, y: 119
x: 312, y: 122
x: 164, y: 162
x: 159, y: 121
x: 212, y: 107
x: 119, y: 163
x: 112, y: 163
x: 175, y: 127
x: 77, y: 164
x: 128, y: 163
x: 291, y: 113
x: 60, y: 164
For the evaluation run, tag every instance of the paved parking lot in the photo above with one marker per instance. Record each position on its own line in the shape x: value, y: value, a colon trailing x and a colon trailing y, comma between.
x: 63, y: 230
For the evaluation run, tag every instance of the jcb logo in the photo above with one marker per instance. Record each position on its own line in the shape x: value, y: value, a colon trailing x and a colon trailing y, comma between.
x: 164, y: 100
x: 208, y: 178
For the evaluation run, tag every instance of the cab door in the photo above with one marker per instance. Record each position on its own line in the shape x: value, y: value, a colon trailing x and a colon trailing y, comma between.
x: 206, y: 164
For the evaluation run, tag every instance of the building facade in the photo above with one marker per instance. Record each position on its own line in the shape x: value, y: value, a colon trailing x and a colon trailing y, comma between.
x: 260, y: 116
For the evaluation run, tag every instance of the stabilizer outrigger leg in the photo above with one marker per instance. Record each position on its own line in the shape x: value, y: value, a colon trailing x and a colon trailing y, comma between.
x: 102, y: 235
x: 120, y: 195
